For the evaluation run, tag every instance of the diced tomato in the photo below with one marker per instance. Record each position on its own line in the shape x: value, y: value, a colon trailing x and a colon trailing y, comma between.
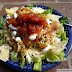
x: 45, y: 24
x: 24, y: 31
x: 54, y: 26
x: 19, y: 20
x: 26, y: 17
x: 14, y: 23
x: 35, y: 19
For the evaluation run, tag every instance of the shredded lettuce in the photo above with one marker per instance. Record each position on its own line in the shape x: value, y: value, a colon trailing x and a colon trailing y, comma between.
x: 61, y: 55
x: 64, y: 20
x: 48, y: 11
x: 51, y: 9
x: 1, y: 22
x: 51, y: 57
x: 37, y: 66
x: 3, y: 33
x: 59, y: 34
x: 63, y: 36
x: 14, y: 56
x: 2, y: 40
x: 43, y: 57
x: 36, y: 59
x: 22, y: 62
x: 0, y: 37
x: 31, y: 6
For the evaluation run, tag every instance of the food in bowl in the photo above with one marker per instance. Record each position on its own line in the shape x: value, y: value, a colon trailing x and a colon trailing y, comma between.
x: 32, y: 34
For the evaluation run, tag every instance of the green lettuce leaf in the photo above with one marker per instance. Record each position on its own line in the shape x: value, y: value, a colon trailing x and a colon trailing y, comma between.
x: 3, y: 33
x: 61, y: 55
x: 48, y: 11
x: 2, y: 40
x: 51, y: 9
x: 51, y: 57
x: 43, y: 57
x: 64, y: 20
x: 37, y: 66
x: 14, y: 56
x: 1, y: 22
x: 63, y: 36
x: 22, y: 62
x: 36, y: 59
x: 31, y: 6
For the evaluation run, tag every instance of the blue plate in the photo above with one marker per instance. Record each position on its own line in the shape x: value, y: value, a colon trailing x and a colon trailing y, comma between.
x: 45, y: 66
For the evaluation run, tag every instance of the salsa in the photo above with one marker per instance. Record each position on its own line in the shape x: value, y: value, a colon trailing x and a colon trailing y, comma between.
x: 29, y: 23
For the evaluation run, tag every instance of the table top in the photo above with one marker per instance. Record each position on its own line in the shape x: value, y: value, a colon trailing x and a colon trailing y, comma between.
x: 63, y: 6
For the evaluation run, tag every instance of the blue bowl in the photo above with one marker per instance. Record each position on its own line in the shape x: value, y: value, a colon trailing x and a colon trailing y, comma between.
x: 45, y: 66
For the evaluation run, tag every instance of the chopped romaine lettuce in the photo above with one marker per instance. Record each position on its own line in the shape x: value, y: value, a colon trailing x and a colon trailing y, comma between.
x: 3, y: 33
x: 51, y: 56
x: 63, y: 36
x: 60, y: 60
x: 59, y: 34
x: 51, y: 9
x: 0, y: 37
x: 1, y: 22
x: 61, y: 55
x: 22, y: 62
x: 31, y: 6
x: 14, y: 56
x: 37, y: 66
x: 43, y: 57
x: 2, y: 40
x: 36, y: 59
x: 64, y: 20
x: 48, y: 11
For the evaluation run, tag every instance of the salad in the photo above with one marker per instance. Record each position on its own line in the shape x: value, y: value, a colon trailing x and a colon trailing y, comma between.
x: 32, y: 34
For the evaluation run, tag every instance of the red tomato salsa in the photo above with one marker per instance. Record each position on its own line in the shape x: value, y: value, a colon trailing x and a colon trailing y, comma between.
x: 29, y: 23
